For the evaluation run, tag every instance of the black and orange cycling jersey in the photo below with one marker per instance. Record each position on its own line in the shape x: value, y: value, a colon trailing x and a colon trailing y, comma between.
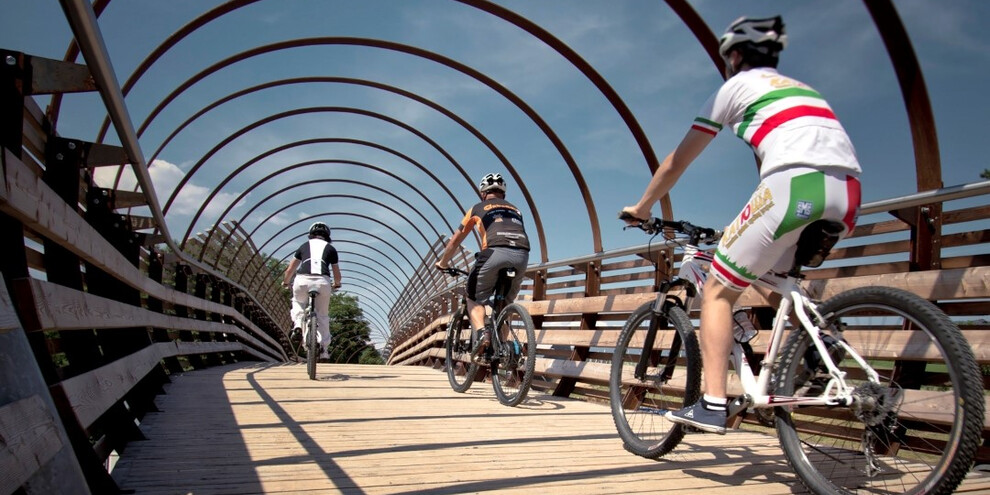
x: 499, y: 223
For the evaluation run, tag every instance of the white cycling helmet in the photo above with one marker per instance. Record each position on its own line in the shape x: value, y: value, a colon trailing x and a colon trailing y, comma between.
x: 492, y: 182
x: 320, y: 229
x: 756, y: 31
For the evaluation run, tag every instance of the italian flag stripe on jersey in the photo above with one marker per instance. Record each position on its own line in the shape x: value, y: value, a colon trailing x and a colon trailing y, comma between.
x: 806, y: 204
x: 787, y: 115
x: 770, y: 98
x: 707, y: 126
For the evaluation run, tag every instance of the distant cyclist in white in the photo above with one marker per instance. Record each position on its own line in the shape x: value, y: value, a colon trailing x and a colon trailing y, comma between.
x: 808, y: 171
x: 311, y: 267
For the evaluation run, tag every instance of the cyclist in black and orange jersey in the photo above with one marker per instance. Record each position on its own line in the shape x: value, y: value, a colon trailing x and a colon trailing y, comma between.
x: 504, y: 244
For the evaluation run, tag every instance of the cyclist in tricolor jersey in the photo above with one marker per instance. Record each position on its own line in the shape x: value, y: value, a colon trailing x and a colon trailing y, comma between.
x: 808, y: 171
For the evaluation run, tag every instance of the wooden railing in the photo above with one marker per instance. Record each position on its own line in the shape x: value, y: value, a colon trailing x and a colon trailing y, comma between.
x: 579, y: 305
x: 94, y: 314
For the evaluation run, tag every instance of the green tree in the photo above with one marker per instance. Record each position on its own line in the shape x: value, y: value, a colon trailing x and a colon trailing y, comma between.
x: 351, y: 333
x: 985, y: 173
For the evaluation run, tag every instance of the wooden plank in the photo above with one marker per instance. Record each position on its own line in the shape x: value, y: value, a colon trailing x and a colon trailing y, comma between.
x: 29, y: 438
x: 91, y: 394
x: 965, y: 215
x: 26, y: 197
x: 961, y: 283
x: 282, y: 433
x: 57, y: 307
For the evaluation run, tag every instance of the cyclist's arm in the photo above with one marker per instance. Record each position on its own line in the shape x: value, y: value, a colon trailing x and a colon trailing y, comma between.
x: 290, y: 271
x: 452, y: 244
x: 336, y: 276
x: 670, y: 170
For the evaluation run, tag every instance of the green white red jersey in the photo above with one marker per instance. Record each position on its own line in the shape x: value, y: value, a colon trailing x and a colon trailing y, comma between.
x: 785, y: 121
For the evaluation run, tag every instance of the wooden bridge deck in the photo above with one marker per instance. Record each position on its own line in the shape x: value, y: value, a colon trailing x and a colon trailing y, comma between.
x: 265, y: 428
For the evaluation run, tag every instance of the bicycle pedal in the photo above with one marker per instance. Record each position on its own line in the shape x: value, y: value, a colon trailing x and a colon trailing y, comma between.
x: 737, y: 405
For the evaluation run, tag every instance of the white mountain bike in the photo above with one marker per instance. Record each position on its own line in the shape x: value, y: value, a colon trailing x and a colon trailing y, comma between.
x: 854, y: 412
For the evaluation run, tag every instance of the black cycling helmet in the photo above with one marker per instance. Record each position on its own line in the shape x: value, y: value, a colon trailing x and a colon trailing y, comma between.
x: 491, y: 182
x: 320, y: 229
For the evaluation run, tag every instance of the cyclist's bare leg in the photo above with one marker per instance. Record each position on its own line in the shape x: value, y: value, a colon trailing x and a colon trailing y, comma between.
x: 716, y: 335
x: 476, y: 313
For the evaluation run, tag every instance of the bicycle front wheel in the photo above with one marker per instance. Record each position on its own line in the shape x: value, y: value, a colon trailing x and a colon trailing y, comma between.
x: 648, y: 380
x: 312, y: 352
x: 460, y: 369
x: 514, y: 358
x: 915, y: 430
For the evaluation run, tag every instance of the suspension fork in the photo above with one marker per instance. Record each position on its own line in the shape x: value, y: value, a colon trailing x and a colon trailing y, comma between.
x: 657, y: 313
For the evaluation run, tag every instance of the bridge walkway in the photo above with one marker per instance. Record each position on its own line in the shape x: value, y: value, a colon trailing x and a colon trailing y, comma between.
x: 265, y: 428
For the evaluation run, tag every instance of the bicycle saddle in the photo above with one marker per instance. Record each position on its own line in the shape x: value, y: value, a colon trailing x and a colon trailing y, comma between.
x: 816, y: 242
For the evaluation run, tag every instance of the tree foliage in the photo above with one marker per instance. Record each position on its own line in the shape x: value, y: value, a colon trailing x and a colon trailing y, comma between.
x: 351, y: 333
x: 985, y: 174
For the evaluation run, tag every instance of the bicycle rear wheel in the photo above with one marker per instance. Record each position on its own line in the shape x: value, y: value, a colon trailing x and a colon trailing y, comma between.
x: 460, y: 371
x: 914, y: 431
x: 312, y: 351
x: 670, y: 380
x: 515, y: 355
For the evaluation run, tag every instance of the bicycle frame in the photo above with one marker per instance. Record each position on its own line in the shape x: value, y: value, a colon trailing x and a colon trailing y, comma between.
x: 693, y: 272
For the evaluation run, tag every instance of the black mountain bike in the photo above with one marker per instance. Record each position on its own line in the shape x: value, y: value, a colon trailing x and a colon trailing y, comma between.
x: 511, y: 354
x: 913, y: 421
x: 309, y: 325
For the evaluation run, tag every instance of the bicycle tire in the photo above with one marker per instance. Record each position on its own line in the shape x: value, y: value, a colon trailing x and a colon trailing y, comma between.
x: 312, y: 353
x: 638, y: 404
x: 512, y: 375
x: 455, y: 347
x: 936, y: 458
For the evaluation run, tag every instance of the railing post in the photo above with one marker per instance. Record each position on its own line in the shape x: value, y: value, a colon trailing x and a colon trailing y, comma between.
x: 202, y: 284
x: 592, y: 287
x: 182, y: 273
x: 63, y: 161
x: 156, y: 272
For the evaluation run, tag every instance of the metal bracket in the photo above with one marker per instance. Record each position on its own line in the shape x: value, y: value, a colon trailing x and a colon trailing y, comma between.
x: 50, y: 76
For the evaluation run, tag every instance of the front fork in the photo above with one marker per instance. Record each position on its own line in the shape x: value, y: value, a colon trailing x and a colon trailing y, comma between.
x: 658, y: 315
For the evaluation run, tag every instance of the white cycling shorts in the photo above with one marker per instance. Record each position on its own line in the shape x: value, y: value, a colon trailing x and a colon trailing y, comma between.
x: 764, y: 236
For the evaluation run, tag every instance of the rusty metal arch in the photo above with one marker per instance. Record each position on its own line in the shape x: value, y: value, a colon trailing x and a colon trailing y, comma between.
x: 371, y: 260
x: 352, y: 274
x: 504, y: 14
x: 883, y: 12
x: 290, y: 167
x: 334, y: 214
x: 301, y: 111
x: 432, y: 56
x: 336, y: 242
x: 341, y: 241
x: 537, y: 221
x: 920, y: 126
x: 312, y: 162
x: 310, y: 217
x: 310, y: 182
x: 347, y: 196
x: 339, y: 195
x: 394, y: 289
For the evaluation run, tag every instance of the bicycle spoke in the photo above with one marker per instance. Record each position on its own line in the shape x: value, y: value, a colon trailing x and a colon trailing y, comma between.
x: 667, y: 381
x: 514, y: 355
x: 908, y: 432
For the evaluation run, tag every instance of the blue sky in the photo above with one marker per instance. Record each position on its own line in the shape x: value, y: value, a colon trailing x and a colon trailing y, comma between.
x: 640, y: 47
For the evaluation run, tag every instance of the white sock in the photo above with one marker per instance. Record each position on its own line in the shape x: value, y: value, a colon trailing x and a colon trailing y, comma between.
x: 714, y: 403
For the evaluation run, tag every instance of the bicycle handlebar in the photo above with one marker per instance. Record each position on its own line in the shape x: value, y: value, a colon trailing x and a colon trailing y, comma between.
x: 654, y: 225
x: 453, y: 272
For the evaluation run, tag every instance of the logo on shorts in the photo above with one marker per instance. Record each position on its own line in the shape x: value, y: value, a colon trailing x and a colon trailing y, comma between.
x: 804, y: 209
